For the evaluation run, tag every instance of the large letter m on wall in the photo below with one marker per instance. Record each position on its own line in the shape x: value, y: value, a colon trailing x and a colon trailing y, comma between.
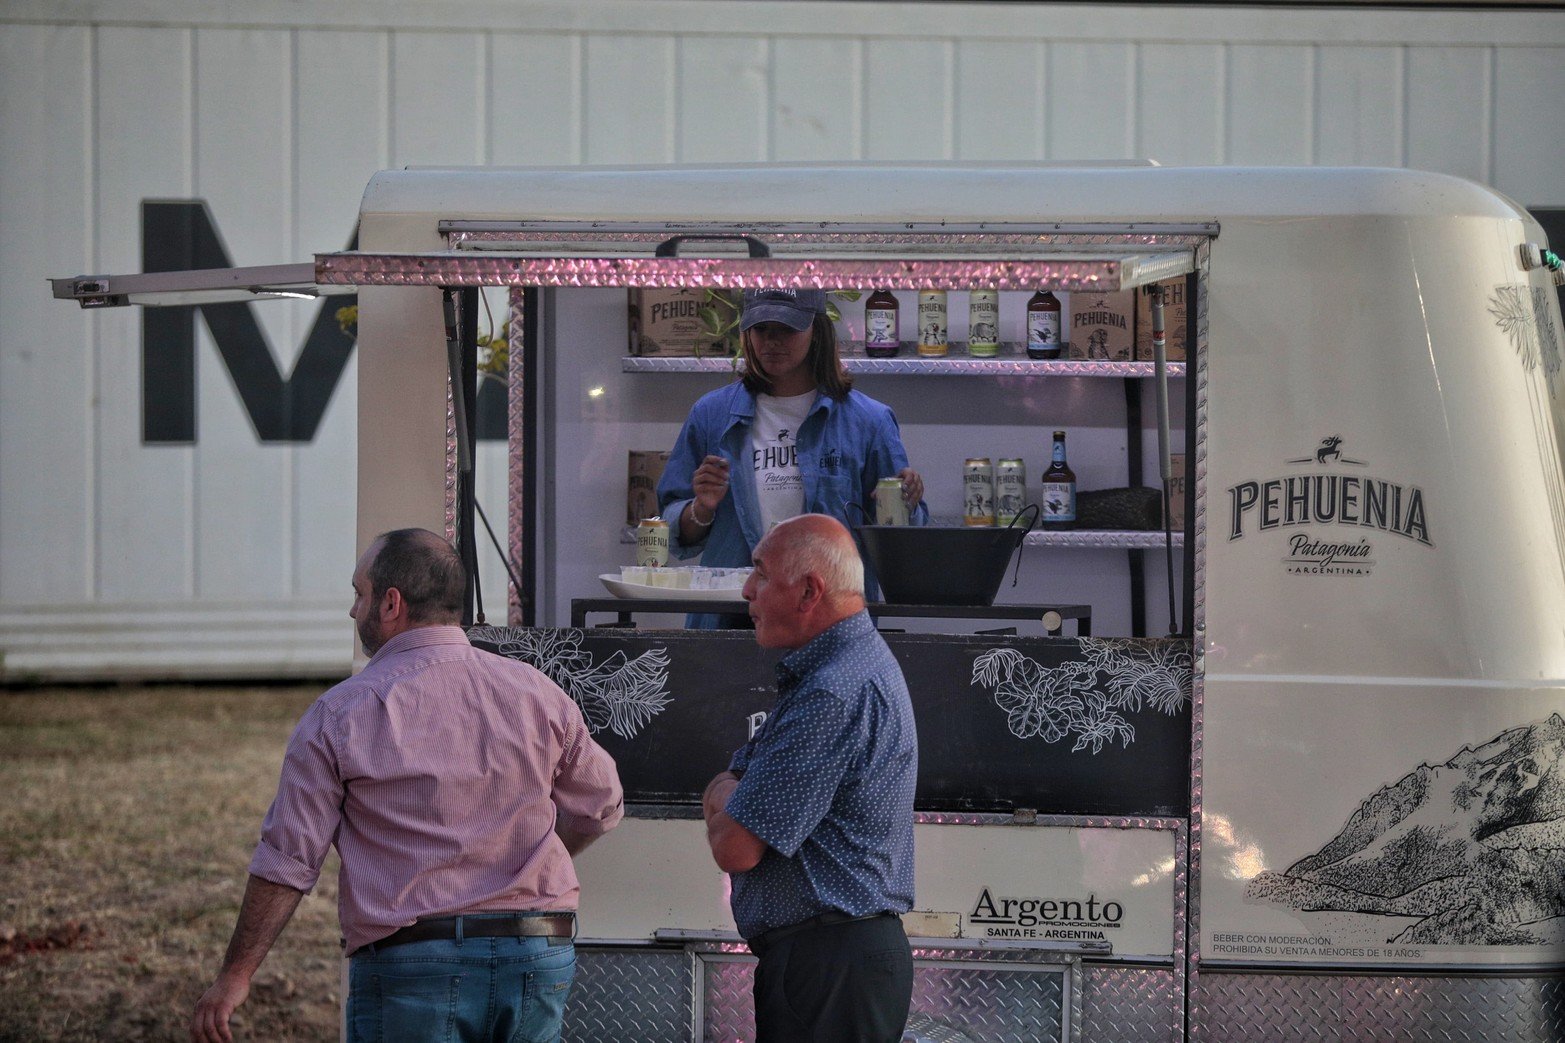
x: 179, y: 235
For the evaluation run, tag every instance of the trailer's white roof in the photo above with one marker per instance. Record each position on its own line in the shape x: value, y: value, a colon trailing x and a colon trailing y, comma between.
x: 946, y: 192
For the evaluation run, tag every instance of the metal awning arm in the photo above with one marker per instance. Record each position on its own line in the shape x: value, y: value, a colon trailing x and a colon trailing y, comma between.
x: 199, y: 286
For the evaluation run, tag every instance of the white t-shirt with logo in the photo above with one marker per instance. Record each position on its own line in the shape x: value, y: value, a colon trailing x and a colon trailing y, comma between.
x: 779, y: 485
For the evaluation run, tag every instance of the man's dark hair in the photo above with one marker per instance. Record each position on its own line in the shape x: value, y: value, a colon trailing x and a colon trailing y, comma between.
x: 426, y: 569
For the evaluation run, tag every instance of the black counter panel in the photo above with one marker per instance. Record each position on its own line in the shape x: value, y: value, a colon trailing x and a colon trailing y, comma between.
x: 1082, y: 726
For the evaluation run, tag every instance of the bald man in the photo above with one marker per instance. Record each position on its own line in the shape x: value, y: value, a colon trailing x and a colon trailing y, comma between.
x: 814, y: 816
x: 457, y: 786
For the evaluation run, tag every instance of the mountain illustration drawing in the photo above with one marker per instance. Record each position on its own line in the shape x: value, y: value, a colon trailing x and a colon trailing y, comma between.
x: 1468, y: 852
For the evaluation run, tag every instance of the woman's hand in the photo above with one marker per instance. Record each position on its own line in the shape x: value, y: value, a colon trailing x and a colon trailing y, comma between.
x: 912, y: 486
x: 711, y: 485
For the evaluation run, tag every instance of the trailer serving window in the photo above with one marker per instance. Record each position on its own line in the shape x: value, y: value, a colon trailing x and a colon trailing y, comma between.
x: 581, y: 273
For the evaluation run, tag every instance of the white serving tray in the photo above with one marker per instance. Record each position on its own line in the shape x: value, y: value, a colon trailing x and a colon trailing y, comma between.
x: 620, y: 589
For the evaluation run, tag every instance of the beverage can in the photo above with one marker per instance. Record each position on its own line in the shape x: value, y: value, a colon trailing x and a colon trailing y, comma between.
x: 1010, y: 490
x: 983, y: 323
x: 652, y: 542
x: 932, y: 323
x: 977, y: 491
x: 890, y: 507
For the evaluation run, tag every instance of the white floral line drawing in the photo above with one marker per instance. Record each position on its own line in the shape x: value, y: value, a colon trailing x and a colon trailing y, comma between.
x: 1522, y: 313
x: 620, y: 694
x: 1053, y: 703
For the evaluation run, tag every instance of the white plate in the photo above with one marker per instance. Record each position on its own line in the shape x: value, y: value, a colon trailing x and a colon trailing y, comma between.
x: 620, y: 589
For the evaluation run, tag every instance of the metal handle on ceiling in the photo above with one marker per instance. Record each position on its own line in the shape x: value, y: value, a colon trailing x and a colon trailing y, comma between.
x: 670, y: 247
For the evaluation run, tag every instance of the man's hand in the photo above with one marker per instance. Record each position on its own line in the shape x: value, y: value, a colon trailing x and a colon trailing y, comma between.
x: 263, y: 913
x: 209, y: 1024
x: 715, y: 798
x: 734, y: 848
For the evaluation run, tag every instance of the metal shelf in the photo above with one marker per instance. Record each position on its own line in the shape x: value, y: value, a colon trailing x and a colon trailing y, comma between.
x: 1102, y: 539
x: 1011, y: 361
x: 1080, y: 539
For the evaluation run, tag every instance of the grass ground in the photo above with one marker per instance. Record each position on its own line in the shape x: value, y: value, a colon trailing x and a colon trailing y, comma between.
x: 127, y: 820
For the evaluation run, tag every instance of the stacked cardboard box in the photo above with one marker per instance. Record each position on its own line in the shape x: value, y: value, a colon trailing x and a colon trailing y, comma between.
x: 1102, y: 325
x: 666, y: 322
x: 1173, y: 291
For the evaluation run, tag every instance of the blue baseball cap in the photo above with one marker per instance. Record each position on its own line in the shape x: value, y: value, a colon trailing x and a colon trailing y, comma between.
x: 795, y: 309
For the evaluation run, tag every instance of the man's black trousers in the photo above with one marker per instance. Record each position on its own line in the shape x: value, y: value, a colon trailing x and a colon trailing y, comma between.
x: 845, y: 981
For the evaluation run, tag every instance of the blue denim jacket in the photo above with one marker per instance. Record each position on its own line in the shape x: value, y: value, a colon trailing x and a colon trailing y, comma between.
x: 844, y: 447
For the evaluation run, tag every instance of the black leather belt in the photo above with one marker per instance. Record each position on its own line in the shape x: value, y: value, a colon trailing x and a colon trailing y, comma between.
x: 766, y: 939
x: 561, y: 925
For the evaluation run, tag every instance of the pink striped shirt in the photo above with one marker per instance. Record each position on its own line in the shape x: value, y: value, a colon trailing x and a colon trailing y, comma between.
x: 438, y: 770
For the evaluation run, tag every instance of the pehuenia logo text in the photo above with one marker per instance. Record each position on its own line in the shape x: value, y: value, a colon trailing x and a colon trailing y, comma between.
x: 1330, y: 501
x: 1078, y: 919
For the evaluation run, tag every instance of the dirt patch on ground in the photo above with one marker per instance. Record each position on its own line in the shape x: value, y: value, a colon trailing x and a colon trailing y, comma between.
x: 128, y: 820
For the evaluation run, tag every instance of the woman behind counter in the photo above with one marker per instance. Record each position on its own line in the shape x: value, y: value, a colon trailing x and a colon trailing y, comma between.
x: 792, y: 437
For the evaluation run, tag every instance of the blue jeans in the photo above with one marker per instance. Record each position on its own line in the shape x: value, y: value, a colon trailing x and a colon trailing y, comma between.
x: 504, y: 989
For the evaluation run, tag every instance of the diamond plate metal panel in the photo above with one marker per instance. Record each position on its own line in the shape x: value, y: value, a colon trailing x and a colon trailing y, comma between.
x: 448, y: 270
x: 728, y: 1006
x: 516, y: 521
x: 1298, y: 1008
x: 1129, y: 1004
x: 1011, y: 362
x: 630, y: 994
x: 994, y: 1004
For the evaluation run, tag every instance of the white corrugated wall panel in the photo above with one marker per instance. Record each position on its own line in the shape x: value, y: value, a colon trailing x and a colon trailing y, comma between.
x: 816, y: 113
x: 629, y: 112
x: 143, y: 149
x: 722, y: 100
x: 47, y: 369
x: 1180, y: 103
x: 1529, y: 124
x: 535, y: 99
x: 341, y: 127
x: 1091, y: 87
x: 1269, y: 113
x: 1358, y: 114
x: 242, y: 501
x: 1449, y: 109
x: 907, y: 100
x: 999, y: 113
x: 277, y: 112
x: 438, y: 94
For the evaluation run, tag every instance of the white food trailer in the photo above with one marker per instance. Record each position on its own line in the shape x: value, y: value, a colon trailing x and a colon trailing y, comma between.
x: 1325, y: 802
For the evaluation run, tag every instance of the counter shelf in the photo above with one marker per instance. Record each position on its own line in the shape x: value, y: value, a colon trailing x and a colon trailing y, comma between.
x: 626, y: 608
x: 1078, y: 539
x: 1011, y: 361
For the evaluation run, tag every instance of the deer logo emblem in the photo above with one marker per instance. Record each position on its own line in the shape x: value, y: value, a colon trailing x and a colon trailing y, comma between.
x: 1330, y: 448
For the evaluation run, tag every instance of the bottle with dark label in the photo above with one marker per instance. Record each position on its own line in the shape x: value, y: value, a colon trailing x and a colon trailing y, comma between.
x: 882, y: 329
x: 1043, y: 326
x: 1057, y: 489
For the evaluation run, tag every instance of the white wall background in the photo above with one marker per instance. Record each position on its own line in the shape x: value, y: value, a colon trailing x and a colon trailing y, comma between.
x: 230, y: 557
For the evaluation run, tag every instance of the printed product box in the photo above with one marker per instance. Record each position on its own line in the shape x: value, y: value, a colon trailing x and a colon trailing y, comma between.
x: 641, y: 498
x: 1102, y: 325
x: 1173, y: 322
x: 666, y: 322
x: 1176, y: 489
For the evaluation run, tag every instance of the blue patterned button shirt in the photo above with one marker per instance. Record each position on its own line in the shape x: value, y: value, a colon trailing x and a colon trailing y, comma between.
x: 828, y: 785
